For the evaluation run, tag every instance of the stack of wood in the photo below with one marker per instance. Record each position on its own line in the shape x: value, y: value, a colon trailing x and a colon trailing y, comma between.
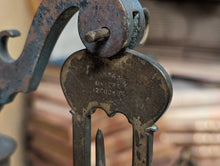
x: 193, y: 121
x: 187, y: 45
x: 184, y: 38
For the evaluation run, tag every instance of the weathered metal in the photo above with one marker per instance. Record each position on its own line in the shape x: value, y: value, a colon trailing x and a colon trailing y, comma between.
x: 7, y: 147
x: 150, y: 140
x: 130, y: 83
x: 147, y: 22
x: 100, y: 149
x: 97, y: 35
x: 107, y: 75
x: 124, y: 19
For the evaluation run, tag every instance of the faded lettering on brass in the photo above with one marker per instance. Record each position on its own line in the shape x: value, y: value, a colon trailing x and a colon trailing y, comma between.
x: 112, y: 84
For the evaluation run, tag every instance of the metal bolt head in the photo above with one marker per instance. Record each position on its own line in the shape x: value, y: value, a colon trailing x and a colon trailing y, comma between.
x: 97, y: 35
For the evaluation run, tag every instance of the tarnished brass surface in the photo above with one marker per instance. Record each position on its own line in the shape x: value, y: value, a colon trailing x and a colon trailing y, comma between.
x: 130, y: 83
x: 124, y: 19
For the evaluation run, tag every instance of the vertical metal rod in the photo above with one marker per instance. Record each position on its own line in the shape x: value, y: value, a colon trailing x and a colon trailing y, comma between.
x: 81, y: 139
x: 150, y: 139
x: 100, y: 149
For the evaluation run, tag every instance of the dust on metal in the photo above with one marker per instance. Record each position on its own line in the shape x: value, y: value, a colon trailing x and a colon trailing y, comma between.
x: 24, y: 74
x: 97, y: 35
x: 130, y: 83
x: 150, y: 139
x: 100, y: 149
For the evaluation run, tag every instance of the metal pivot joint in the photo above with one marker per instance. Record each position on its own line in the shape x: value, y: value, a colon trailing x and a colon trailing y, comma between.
x: 115, y: 21
x: 130, y: 83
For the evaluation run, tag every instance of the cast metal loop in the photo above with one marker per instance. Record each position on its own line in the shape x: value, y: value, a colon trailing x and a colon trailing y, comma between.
x: 4, y: 36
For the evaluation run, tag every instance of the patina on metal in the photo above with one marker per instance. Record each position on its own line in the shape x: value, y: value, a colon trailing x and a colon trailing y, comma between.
x: 147, y: 22
x: 97, y: 35
x: 150, y: 140
x: 124, y: 19
x: 7, y: 147
x: 129, y: 83
x: 103, y: 76
x: 100, y: 149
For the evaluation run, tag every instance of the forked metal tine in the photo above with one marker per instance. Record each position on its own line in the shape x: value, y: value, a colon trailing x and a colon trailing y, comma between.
x: 150, y: 139
x: 100, y: 149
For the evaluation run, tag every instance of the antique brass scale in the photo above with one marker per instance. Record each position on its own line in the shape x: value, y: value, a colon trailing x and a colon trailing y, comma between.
x: 108, y: 74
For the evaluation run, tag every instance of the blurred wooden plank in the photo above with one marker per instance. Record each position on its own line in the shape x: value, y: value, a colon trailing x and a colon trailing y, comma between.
x: 191, y: 138
x: 211, y: 112
x: 49, y: 155
x: 47, y: 141
x: 50, y: 123
x: 50, y: 91
x: 50, y: 107
x: 208, y: 162
x: 206, y: 151
x: 196, y: 65
x: 36, y: 161
x: 187, y: 23
x: 192, y: 126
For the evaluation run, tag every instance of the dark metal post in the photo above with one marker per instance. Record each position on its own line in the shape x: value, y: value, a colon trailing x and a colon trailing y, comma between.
x: 100, y: 149
x: 7, y: 147
x: 150, y: 139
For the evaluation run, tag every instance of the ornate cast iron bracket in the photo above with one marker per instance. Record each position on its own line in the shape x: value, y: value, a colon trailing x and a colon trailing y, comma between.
x: 124, y: 19
x: 129, y: 83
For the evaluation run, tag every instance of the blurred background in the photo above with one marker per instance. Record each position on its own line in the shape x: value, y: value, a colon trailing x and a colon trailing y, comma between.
x: 184, y: 37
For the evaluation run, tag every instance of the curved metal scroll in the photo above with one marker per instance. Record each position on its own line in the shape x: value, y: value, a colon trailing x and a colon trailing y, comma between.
x: 24, y: 74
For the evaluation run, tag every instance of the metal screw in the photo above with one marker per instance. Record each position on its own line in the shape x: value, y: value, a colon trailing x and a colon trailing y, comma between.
x: 99, y: 34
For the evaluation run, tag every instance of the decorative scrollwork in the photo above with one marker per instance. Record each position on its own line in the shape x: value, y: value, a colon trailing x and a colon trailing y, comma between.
x: 24, y: 74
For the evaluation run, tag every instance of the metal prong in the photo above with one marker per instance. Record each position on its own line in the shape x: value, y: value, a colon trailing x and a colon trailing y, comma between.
x: 93, y: 36
x: 4, y: 36
x: 150, y: 139
x: 100, y: 149
x: 147, y: 22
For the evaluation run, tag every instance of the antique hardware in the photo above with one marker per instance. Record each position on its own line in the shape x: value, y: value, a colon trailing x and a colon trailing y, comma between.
x: 100, y: 149
x: 7, y: 147
x: 124, y: 19
x: 107, y: 75
x: 129, y: 83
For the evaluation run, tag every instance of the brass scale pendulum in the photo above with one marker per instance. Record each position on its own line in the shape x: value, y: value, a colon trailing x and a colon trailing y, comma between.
x: 131, y: 83
x: 107, y: 75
